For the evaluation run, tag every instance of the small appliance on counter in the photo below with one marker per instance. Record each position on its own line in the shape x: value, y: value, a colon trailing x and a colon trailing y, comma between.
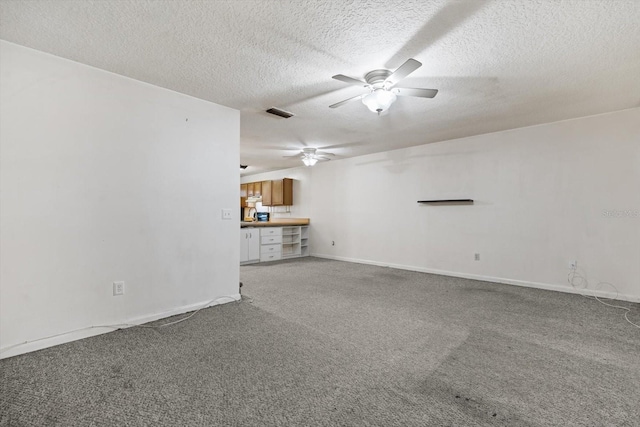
x: 262, y: 216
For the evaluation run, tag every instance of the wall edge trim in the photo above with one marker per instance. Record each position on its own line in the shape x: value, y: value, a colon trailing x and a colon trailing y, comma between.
x: 501, y: 280
x: 90, y: 331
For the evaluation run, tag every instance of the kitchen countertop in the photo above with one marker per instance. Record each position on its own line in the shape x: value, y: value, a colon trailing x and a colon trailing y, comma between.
x: 275, y: 222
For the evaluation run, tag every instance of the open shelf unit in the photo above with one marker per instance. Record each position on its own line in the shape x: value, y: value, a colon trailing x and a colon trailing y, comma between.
x: 304, y: 240
x: 295, y: 241
x: 290, y: 241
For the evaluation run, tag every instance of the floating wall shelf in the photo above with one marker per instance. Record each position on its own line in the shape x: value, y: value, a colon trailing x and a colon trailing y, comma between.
x: 460, y: 201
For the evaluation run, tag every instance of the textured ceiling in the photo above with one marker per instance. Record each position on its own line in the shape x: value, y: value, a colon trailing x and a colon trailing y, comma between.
x: 498, y: 64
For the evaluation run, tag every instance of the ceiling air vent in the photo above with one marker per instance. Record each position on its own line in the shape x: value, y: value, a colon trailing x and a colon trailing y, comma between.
x: 279, y: 112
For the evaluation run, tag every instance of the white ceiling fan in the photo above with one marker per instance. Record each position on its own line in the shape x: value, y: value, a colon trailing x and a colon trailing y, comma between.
x: 382, y: 92
x: 310, y: 156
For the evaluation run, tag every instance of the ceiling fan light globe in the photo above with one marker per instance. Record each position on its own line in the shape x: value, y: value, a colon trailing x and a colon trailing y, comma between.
x: 309, y: 161
x: 379, y: 100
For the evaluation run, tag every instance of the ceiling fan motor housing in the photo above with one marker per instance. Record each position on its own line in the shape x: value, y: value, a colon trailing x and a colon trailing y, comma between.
x: 377, y: 77
x: 380, y: 98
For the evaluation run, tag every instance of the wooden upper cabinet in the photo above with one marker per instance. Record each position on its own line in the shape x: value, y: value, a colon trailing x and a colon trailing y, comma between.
x: 287, y: 190
x: 277, y: 194
x: 250, y: 189
x: 243, y: 195
x: 281, y: 193
x: 266, y: 193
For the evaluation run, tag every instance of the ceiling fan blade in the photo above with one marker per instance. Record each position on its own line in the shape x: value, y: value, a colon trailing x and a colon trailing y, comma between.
x: 408, y: 91
x: 322, y: 158
x: 337, y: 104
x: 324, y: 153
x: 350, y: 80
x: 403, y: 71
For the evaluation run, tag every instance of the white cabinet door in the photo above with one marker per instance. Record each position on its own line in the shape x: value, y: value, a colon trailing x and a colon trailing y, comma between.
x: 244, y: 245
x: 249, y: 244
x: 254, y: 244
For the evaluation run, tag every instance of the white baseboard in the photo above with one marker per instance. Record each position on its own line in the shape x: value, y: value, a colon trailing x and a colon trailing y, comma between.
x: 524, y: 283
x: 89, y: 331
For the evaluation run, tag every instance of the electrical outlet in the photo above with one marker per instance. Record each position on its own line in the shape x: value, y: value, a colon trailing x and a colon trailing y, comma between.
x: 476, y: 257
x: 226, y: 213
x: 118, y: 288
x: 573, y: 265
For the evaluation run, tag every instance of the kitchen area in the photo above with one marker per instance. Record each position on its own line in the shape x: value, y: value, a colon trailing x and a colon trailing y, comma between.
x: 267, y: 232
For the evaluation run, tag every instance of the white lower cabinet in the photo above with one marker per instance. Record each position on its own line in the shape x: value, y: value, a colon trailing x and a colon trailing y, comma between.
x: 273, y: 243
x: 249, y: 245
x: 270, y: 244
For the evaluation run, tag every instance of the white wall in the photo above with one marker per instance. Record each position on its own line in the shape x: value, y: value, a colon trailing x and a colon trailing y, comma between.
x: 105, y: 178
x: 302, y: 193
x: 540, y: 196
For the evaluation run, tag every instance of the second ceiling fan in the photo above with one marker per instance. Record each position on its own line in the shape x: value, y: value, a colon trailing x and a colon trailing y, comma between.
x: 382, y: 92
x: 310, y: 156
